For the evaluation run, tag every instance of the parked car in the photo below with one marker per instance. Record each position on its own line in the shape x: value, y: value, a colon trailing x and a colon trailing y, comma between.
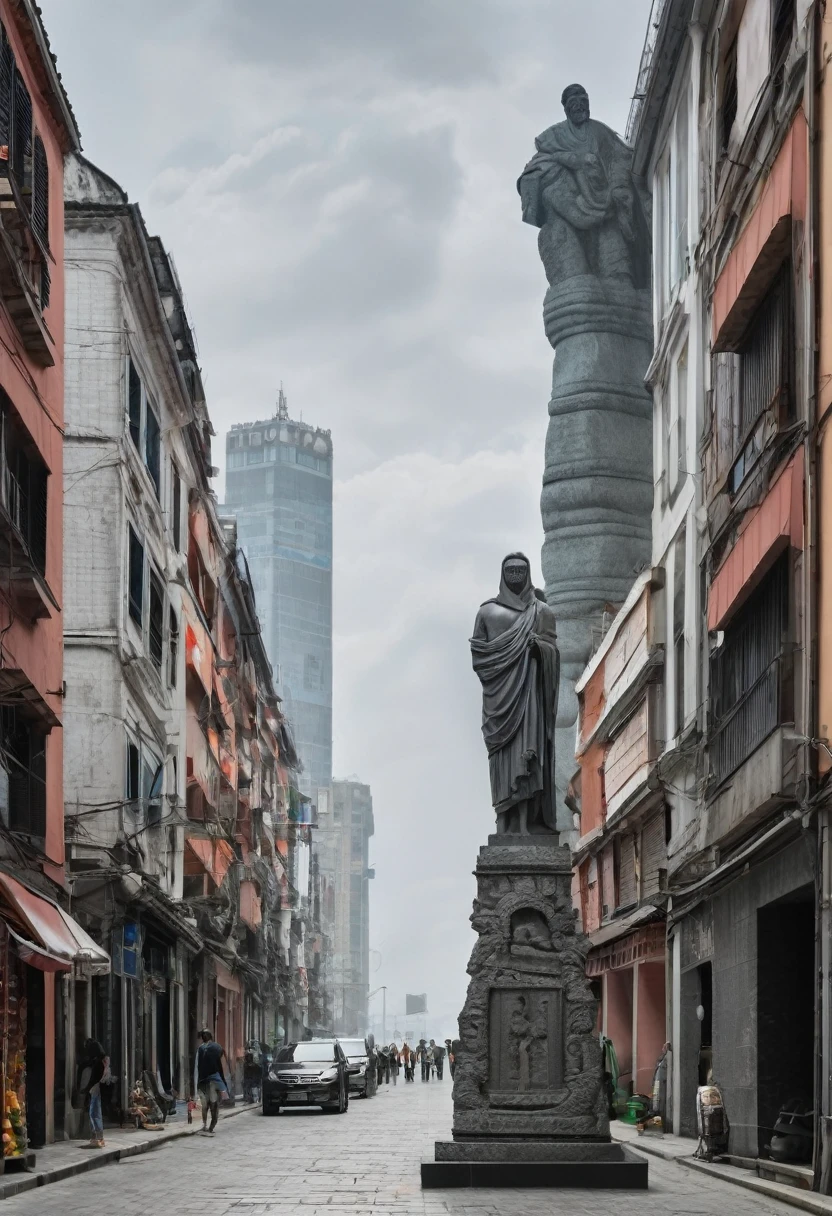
x: 307, y: 1074
x: 363, y: 1072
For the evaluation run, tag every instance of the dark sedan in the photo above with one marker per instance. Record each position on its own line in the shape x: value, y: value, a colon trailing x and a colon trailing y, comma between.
x: 307, y: 1074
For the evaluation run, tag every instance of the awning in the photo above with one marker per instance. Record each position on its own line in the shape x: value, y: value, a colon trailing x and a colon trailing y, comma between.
x: 47, y: 937
x: 618, y: 928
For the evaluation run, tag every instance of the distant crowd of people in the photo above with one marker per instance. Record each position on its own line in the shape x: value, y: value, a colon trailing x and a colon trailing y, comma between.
x: 429, y: 1057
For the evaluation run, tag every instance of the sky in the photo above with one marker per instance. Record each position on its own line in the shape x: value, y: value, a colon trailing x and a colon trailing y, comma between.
x: 336, y: 181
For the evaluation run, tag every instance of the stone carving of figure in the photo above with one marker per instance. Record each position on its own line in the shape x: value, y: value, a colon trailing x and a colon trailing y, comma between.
x: 540, y: 1045
x: 579, y: 191
x: 515, y: 655
x: 519, y: 1042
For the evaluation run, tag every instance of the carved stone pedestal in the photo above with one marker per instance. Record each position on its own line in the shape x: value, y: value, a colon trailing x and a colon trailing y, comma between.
x: 529, y: 1103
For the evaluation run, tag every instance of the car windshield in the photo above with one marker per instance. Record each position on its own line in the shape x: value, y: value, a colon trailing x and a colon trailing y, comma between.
x: 354, y: 1047
x: 307, y: 1053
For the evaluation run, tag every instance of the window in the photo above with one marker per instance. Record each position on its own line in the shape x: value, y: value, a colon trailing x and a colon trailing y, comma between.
x: 145, y: 430
x: 144, y: 779
x: 152, y: 443
x: 156, y: 618
x: 679, y: 630
x: 236, y: 460
x: 40, y: 194
x: 20, y: 149
x: 132, y: 784
x: 136, y: 578
x: 765, y: 358
x: 680, y: 158
x: 24, y: 758
x: 255, y: 456
x: 728, y: 108
x: 176, y: 507
x: 173, y: 647
x: 152, y: 779
x: 674, y: 409
x: 671, y: 192
x: 134, y: 403
x: 748, y: 684
x: 24, y: 486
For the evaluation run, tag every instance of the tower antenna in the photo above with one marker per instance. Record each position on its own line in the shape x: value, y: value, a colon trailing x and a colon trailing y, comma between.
x: 282, y: 405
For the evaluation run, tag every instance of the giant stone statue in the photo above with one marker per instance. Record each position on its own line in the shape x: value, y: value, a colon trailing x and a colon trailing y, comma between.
x: 594, y: 221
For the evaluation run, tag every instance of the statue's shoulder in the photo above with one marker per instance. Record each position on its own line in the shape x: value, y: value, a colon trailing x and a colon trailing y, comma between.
x: 552, y: 138
x: 606, y: 135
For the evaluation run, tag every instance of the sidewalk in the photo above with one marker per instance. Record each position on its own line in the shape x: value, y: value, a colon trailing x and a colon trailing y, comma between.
x: 67, y: 1158
x: 681, y: 1148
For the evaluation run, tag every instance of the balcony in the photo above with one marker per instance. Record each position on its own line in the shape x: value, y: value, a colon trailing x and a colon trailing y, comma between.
x: 24, y: 272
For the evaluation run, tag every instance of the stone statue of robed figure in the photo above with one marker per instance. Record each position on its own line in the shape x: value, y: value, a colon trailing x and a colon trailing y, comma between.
x: 515, y: 655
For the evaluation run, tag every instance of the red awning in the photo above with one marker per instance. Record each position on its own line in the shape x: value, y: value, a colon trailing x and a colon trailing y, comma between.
x: 46, y: 936
x: 215, y: 856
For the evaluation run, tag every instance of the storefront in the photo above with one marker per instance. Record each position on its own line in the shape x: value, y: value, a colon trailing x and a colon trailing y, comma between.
x: 39, y: 944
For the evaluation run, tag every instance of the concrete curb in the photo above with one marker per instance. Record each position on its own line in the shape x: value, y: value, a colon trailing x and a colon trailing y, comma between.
x: 808, y: 1201
x: 11, y: 1185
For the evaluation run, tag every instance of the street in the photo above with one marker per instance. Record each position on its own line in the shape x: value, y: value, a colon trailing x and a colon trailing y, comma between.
x: 364, y: 1162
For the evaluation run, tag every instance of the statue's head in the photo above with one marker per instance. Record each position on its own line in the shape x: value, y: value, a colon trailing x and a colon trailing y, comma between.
x: 516, y: 572
x: 575, y: 101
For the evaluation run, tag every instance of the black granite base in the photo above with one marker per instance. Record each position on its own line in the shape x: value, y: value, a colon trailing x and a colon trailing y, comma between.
x: 612, y: 1168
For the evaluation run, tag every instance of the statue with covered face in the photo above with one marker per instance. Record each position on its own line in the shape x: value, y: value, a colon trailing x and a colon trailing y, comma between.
x: 515, y: 656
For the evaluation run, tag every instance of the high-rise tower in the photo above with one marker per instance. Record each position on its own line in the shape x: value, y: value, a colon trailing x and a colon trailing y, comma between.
x: 279, y: 486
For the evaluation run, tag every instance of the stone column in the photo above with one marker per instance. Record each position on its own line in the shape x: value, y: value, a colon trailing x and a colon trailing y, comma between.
x: 597, y: 484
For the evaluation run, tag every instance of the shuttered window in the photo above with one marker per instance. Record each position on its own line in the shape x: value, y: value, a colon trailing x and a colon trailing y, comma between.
x: 24, y: 757
x: 40, y: 194
x: 765, y: 358
x: 627, y: 872
x: 136, y: 578
x: 653, y: 855
x: 6, y: 86
x: 21, y: 141
x: 134, y: 403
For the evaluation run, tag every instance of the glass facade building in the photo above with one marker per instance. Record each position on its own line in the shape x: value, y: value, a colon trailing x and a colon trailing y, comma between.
x: 279, y: 487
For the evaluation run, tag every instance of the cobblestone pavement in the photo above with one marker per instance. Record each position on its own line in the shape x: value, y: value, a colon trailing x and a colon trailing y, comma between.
x: 364, y: 1163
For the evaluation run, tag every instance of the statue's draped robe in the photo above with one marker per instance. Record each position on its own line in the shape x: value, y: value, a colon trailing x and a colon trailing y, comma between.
x: 519, y: 671
x: 559, y: 167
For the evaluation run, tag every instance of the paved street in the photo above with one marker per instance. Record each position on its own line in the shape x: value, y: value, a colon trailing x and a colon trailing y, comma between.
x: 364, y: 1162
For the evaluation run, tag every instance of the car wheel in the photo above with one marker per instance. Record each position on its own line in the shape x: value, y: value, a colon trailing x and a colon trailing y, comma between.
x: 270, y: 1108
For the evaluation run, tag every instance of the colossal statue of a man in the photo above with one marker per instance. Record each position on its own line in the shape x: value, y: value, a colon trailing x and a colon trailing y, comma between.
x: 593, y: 213
x: 515, y: 655
x: 580, y: 192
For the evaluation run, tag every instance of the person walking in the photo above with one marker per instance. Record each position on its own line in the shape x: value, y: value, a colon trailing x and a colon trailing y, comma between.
x: 393, y: 1053
x: 408, y: 1060
x: 252, y: 1071
x: 449, y: 1048
x: 211, y: 1081
x: 438, y: 1059
x: 93, y: 1071
x: 426, y: 1057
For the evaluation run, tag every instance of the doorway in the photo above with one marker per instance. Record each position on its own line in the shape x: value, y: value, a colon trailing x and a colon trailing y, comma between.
x: 785, y: 1009
x: 35, y: 1057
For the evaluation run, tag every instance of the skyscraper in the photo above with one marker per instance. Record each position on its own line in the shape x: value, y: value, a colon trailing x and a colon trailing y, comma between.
x: 279, y: 486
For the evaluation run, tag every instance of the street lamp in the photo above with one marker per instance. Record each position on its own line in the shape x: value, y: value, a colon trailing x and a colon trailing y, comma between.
x: 383, y: 989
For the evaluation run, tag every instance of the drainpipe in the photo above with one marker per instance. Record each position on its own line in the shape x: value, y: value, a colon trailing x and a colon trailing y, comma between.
x: 809, y: 598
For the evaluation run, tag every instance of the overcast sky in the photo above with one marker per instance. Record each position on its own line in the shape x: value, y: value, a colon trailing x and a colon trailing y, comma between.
x: 336, y: 182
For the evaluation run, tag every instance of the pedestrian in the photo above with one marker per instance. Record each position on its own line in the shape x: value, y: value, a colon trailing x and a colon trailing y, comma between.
x: 449, y: 1048
x: 93, y: 1071
x: 211, y: 1080
x: 252, y: 1072
x: 408, y: 1060
x: 426, y: 1058
x: 393, y: 1054
x: 438, y: 1059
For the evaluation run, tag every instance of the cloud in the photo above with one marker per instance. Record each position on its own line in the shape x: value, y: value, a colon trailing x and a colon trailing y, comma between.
x: 336, y: 180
